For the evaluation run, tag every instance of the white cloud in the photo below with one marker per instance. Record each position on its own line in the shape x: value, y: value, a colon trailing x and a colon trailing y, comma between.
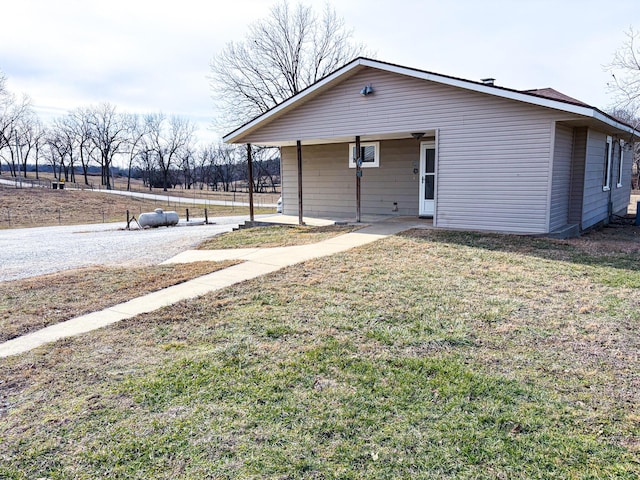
x: 154, y: 56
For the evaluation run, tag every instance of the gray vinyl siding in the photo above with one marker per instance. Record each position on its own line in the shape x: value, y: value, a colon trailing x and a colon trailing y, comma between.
x: 494, y: 180
x: 493, y: 153
x: 596, y: 200
x: 399, y: 104
x: 329, y: 185
x: 577, y: 174
x: 561, y: 173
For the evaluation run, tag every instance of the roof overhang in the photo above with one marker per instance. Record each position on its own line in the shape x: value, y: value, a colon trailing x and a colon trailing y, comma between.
x: 406, y: 135
x: 350, y: 69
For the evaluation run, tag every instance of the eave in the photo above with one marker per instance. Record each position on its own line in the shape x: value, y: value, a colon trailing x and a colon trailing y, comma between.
x: 241, y: 134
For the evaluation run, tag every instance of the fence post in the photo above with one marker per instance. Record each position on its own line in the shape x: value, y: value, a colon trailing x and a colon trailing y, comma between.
x: 206, y: 217
x: 187, y: 214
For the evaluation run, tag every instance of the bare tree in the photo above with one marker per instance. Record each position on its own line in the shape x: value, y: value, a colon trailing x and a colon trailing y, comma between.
x: 266, y: 169
x: 188, y: 166
x: 205, y: 166
x: 12, y: 113
x: 147, y: 163
x: 218, y: 165
x: 29, y: 138
x: 134, y: 147
x: 281, y: 55
x: 109, y: 135
x: 60, y: 146
x: 166, y: 140
x: 80, y: 127
x: 625, y: 71
x: 3, y: 84
x: 227, y: 159
x: 627, y: 116
x: 6, y: 101
x: 39, y: 140
x: 73, y: 131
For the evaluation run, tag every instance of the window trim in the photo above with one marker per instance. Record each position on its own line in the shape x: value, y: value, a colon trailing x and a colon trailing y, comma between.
x: 606, y: 181
x: 620, y: 164
x: 376, y: 155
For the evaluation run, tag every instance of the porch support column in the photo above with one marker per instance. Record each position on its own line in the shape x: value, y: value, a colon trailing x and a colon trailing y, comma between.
x: 358, y: 160
x: 250, y: 173
x: 299, y: 150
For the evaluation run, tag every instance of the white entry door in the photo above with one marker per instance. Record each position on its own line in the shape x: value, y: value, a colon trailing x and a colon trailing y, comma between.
x: 427, y: 178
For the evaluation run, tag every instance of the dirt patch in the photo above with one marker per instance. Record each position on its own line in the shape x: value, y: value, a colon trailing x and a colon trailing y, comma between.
x: 620, y: 237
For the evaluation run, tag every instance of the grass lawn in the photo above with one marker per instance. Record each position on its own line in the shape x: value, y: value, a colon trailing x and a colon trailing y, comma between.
x: 34, y: 303
x: 425, y: 355
x: 275, y: 236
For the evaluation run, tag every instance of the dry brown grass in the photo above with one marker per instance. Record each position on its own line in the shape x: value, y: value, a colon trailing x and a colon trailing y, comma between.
x: 275, y: 236
x: 34, y: 303
x: 33, y: 207
x: 442, y: 354
x: 614, y: 239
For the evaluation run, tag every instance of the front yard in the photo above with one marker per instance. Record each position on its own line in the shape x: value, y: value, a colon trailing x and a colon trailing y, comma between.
x: 426, y: 355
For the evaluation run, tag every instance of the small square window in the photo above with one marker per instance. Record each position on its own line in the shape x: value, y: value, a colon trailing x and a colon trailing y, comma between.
x: 370, y: 153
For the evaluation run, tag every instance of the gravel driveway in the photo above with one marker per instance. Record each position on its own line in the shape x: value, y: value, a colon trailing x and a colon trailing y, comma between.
x: 28, y: 252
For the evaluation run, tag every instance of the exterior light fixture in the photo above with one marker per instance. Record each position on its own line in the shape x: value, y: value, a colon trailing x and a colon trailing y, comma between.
x: 417, y: 135
x: 367, y: 90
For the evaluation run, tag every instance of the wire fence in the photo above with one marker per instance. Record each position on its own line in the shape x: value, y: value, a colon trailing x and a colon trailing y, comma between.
x: 68, y: 207
x: 239, y: 194
x: 17, y: 217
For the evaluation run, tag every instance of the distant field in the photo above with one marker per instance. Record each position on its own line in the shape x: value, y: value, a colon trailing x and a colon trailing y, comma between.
x: 120, y: 183
x: 36, y: 207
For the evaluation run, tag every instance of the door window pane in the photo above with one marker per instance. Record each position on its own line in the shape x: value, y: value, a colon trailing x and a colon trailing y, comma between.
x: 429, y: 187
x: 431, y: 161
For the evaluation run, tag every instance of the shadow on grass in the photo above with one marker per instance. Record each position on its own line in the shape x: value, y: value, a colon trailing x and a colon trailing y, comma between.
x: 613, y: 247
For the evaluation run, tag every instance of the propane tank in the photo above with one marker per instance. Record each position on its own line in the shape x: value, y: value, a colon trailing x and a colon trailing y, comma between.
x: 158, y: 218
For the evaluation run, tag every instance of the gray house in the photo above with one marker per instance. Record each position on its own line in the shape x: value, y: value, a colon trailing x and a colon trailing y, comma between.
x: 471, y: 155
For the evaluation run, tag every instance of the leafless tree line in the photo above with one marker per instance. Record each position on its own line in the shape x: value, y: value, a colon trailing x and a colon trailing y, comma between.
x: 160, y: 149
x: 625, y: 86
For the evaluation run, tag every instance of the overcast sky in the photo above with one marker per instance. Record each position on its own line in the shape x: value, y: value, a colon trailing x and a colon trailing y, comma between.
x: 151, y: 56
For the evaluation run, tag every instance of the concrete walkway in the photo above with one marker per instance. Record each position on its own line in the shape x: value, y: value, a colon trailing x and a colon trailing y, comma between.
x: 256, y: 262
